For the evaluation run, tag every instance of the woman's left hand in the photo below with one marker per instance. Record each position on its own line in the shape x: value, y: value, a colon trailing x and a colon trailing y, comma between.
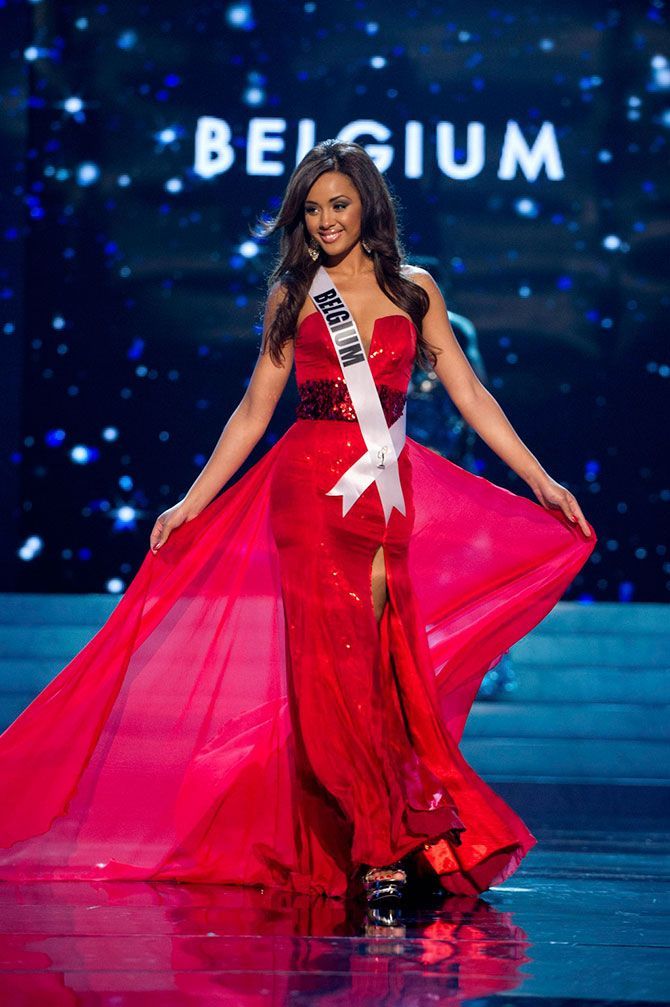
x: 553, y: 496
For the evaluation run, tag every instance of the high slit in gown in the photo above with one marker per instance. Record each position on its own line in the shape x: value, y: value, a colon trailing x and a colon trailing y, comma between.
x: 242, y: 717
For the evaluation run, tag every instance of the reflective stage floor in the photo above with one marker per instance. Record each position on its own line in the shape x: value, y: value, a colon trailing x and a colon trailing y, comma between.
x: 583, y: 920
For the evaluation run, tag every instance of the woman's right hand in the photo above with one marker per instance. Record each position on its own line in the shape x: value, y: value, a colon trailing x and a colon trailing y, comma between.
x: 167, y: 522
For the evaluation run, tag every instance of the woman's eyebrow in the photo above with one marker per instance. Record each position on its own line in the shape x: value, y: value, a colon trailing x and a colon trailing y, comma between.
x: 331, y: 200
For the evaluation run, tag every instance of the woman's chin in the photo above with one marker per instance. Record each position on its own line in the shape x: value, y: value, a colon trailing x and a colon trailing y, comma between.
x: 337, y: 249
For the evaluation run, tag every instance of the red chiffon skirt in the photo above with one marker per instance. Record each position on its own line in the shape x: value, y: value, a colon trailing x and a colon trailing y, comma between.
x: 242, y: 718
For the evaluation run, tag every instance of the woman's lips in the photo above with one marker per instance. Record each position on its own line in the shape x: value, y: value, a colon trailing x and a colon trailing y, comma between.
x: 329, y: 238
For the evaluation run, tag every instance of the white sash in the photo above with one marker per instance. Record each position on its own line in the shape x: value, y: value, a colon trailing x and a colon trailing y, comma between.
x: 380, y: 462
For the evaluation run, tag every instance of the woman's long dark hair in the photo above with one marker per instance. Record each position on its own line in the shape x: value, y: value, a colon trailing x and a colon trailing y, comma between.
x: 295, y: 268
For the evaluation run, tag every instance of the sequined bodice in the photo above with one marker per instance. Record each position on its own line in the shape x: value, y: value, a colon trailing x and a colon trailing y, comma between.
x: 321, y: 385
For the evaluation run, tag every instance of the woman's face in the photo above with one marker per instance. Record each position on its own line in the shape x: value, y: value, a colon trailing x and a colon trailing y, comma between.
x: 333, y: 213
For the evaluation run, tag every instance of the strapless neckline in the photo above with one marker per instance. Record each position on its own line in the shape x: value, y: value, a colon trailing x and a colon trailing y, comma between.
x: 376, y: 322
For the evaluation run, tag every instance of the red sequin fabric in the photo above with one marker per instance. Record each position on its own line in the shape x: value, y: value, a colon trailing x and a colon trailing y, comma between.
x: 329, y: 399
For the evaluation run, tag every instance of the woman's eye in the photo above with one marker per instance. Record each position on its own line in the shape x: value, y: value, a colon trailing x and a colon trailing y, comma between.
x: 336, y: 206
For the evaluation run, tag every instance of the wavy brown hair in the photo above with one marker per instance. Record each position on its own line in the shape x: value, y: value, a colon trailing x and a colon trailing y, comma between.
x: 294, y: 269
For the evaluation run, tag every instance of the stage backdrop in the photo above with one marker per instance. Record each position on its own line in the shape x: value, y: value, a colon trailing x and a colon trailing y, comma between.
x: 527, y: 145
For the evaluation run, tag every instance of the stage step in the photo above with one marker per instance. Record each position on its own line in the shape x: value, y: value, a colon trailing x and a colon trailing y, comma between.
x: 605, y: 721
x: 584, y: 684
x: 588, y: 760
x: 56, y: 609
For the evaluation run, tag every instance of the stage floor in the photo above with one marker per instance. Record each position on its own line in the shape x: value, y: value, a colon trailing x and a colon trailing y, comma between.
x: 584, y: 919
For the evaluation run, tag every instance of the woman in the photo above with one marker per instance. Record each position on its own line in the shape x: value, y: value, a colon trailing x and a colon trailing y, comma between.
x: 279, y: 696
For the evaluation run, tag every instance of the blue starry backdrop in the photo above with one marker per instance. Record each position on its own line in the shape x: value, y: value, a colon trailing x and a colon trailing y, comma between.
x: 527, y: 146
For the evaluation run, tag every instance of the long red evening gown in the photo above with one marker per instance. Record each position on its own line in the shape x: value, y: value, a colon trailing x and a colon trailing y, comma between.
x: 242, y: 718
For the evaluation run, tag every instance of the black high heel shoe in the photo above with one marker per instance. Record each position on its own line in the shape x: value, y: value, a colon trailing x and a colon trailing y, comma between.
x: 384, y: 926
x: 384, y: 885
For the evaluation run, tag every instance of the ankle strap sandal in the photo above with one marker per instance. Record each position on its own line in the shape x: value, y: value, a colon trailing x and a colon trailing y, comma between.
x: 384, y: 884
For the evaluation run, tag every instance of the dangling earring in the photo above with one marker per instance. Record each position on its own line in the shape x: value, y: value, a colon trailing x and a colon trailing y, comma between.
x: 366, y: 247
x: 313, y: 250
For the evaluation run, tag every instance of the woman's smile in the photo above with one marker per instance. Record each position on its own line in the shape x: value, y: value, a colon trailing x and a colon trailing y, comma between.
x: 330, y: 236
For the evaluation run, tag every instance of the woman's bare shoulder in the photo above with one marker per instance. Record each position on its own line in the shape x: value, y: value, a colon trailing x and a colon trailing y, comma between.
x: 419, y: 275
x: 276, y: 294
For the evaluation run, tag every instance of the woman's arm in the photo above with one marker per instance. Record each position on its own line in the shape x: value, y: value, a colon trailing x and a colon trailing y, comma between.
x: 481, y: 410
x: 244, y: 429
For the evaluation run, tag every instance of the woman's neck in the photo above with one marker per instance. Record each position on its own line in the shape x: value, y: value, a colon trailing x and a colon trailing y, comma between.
x: 350, y: 264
